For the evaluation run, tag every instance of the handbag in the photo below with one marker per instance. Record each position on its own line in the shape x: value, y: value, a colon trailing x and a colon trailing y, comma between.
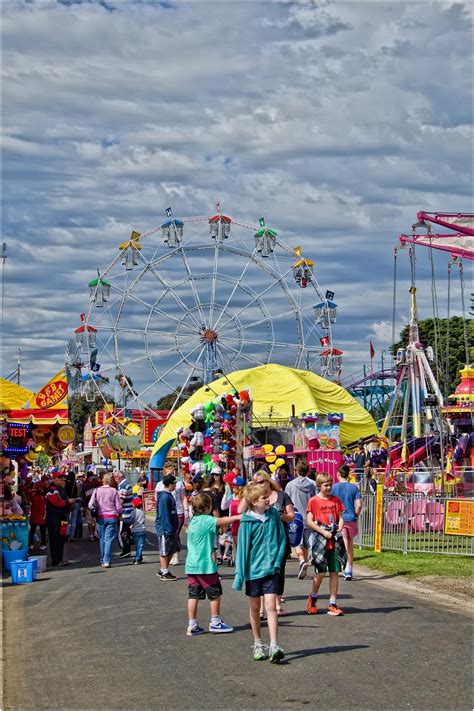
x: 95, y: 505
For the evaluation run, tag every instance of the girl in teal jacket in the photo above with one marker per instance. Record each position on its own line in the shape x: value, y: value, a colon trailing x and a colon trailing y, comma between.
x: 260, y: 550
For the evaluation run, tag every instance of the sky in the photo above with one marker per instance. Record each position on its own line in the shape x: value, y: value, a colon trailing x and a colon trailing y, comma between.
x: 337, y: 121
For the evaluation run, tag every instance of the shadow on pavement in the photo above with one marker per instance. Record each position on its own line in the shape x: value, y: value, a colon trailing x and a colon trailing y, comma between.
x: 374, y: 610
x: 302, y: 653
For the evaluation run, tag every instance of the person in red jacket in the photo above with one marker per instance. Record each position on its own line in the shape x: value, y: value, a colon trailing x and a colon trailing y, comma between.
x: 37, y: 516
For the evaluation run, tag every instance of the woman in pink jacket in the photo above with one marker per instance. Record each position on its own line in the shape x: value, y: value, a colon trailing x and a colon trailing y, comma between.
x: 107, y: 502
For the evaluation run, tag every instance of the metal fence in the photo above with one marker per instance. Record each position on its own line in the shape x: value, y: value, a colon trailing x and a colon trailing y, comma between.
x: 411, y: 524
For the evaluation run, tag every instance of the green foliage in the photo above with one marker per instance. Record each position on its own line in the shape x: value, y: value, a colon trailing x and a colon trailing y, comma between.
x: 166, y: 402
x: 42, y: 460
x: 417, y: 564
x: 457, y: 354
x: 79, y: 410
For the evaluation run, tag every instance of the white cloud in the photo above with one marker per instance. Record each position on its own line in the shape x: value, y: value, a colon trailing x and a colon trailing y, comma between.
x: 337, y: 121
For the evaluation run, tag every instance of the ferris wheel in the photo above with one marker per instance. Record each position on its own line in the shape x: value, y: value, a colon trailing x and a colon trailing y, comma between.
x: 196, y: 296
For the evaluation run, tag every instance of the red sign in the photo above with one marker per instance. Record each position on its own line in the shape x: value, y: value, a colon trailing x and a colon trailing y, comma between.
x: 149, y: 501
x: 52, y: 393
x: 149, y: 427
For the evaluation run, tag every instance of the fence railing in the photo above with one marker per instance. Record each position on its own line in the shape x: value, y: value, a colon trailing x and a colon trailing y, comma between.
x: 411, y: 524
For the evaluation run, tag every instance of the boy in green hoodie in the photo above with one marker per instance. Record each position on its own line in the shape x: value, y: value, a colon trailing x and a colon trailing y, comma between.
x: 260, y: 550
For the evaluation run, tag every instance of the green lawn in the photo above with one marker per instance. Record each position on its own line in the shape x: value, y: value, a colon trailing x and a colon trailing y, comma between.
x: 416, y: 565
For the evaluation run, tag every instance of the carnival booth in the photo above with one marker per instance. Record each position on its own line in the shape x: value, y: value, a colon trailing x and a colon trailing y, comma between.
x: 278, y: 398
x: 30, y: 423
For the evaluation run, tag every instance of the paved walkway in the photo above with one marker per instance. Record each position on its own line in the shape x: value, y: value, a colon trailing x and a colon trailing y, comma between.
x: 82, y: 637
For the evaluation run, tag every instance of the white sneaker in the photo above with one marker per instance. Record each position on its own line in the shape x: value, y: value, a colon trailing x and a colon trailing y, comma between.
x: 175, y: 559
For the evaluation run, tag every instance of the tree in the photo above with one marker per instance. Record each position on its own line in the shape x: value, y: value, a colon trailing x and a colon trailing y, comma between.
x: 79, y: 410
x: 446, y: 369
x: 166, y: 402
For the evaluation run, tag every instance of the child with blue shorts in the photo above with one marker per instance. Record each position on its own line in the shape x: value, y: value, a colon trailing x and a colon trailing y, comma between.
x: 260, y: 552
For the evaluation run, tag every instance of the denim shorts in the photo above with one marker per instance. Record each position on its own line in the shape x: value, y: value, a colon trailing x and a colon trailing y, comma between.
x: 262, y: 586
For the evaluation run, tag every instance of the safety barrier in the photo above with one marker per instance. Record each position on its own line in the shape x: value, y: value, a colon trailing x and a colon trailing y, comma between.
x: 411, y: 524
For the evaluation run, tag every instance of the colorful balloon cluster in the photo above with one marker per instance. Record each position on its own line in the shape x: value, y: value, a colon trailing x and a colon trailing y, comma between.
x: 273, y: 456
x: 208, y: 444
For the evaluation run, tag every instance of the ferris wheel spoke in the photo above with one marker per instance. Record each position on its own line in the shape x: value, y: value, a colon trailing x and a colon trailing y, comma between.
x: 242, y: 355
x: 236, y: 286
x: 183, y: 359
x: 174, y: 295
x: 154, y: 309
x: 184, y: 385
x: 193, y: 285
x: 272, y: 318
x: 254, y: 342
x: 279, y: 280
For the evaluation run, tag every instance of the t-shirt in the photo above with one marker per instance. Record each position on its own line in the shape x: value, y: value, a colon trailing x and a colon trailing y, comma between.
x: 348, y: 493
x: 326, y: 511
x: 201, y: 536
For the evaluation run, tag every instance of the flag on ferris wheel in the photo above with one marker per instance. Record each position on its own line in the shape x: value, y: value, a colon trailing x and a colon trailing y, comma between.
x: 218, y: 207
x: 324, y: 341
x: 169, y: 212
x: 261, y: 221
x: 372, y: 350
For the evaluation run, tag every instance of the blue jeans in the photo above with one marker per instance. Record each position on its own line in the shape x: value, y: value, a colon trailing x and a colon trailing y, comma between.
x: 75, y: 509
x: 107, y: 533
x: 139, y: 539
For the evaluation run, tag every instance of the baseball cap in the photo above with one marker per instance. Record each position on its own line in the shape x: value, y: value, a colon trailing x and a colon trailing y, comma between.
x: 137, y: 501
x: 169, y: 479
x: 239, y: 481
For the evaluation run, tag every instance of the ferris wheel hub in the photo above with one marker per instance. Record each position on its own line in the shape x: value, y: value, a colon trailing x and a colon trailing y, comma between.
x: 208, y: 335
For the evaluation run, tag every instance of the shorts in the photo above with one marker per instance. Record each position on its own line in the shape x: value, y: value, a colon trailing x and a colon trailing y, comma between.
x: 350, y: 529
x: 305, y: 539
x: 201, y: 585
x: 168, y: 545
x: 333, y: 565
x: 262, y: 586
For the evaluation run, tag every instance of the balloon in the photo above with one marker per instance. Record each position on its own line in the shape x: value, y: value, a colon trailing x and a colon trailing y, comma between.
x: 279, y: 462
x: 281, y: 449
x: 268, y: 448
x: 270, y: 457
x: 273, y: 468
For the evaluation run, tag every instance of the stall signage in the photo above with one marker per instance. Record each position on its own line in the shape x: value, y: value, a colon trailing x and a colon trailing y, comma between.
x: 151, y: 428
x: 459, y: 517
x: 17, y: 438
x: 52, y: 394
x: 149, y: 501
x: 66, y: 434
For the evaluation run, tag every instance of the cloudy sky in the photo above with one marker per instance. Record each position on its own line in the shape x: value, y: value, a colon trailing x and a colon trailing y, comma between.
x: 337, y: 121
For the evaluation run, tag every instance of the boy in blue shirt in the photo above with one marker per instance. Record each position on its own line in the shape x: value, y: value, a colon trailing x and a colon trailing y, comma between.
x: 260, y: 550
x: 351, y: 499
x: 201, y: 566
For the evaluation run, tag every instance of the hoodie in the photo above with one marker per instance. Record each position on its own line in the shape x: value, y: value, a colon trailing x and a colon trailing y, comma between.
x: 166, y: 521
x: 260, y: 548
x: 300, y: 490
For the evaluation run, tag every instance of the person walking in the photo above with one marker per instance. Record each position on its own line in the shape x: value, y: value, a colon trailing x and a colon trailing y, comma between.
x: 57, y: 510
x: 109, y: 507
x: 138, y: 529
x: 73, y: 494
x: 125, y: 492
x: 300, y: 491
x: 351, y: 499
x: 166, y: 526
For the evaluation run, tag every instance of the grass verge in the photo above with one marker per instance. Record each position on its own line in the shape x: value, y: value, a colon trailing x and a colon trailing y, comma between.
x: 417, y: 565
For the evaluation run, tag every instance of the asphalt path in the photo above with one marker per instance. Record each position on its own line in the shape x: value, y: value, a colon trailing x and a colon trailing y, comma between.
x: 82, y: 637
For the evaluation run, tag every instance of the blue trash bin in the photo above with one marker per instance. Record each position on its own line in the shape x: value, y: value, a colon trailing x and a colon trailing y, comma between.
x: 9, y: 556
x: 23, y: 571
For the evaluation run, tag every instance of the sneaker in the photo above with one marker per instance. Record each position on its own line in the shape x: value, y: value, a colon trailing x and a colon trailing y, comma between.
x: 194, y: 631
x: 259, y: 651
x: 175, y: 559
x: 276, y: 653
x: 334, y: 610
x: 136, y: 562
x: 106, y: 565
x: 348, y: 575
x: 42, y: 548
x: 125, y: 554
x: 302, y: 570
x: 167, y: 576
x: 220, y: 628
x: 91, y: 538
x: 312, y: 606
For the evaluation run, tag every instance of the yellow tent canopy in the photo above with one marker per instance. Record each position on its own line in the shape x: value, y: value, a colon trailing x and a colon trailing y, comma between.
x: 274, y: 389
x: 12, y: 396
